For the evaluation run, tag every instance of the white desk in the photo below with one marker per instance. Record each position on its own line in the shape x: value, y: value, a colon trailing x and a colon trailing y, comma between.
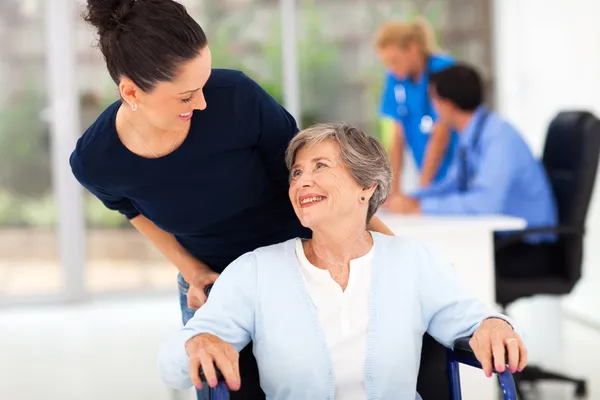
x: 468, y: 243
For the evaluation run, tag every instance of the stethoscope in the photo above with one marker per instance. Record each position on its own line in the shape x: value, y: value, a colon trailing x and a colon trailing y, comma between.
x: 426, y: 123
x: 463, y: 180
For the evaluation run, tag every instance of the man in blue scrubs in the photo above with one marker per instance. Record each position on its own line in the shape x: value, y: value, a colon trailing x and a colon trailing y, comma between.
x: 494, y: 170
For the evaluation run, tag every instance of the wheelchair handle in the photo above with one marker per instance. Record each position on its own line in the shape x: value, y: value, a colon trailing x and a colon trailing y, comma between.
x: 220, y: 378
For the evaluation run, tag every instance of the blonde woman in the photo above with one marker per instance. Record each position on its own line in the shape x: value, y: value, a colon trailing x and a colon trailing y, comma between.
x: 409, y: 52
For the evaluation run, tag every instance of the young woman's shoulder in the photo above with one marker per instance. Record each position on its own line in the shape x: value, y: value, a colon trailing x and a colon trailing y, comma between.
x: 441, y: 61
x: 96, y: 139
x: 226, y: 78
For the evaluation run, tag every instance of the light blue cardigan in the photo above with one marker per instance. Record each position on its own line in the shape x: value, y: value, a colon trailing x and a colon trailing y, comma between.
x: 262, y: 297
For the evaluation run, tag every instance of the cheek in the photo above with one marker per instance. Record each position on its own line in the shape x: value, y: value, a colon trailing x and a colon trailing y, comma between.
x: 162, y: 108
x: 342, y: 186
x: 292, y: 191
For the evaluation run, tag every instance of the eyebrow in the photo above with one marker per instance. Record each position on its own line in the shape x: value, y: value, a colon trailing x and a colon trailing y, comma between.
x: 190, y: 91
x: 314, y: 160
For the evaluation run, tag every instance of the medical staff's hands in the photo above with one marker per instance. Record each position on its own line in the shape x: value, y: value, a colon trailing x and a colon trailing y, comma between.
x: 492, y: 340
x: 204, y: 351
x: 202, y: 278
x: 401, y: 204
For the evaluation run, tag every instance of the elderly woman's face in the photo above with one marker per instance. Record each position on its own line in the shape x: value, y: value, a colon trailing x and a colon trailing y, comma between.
x: 322, y: 190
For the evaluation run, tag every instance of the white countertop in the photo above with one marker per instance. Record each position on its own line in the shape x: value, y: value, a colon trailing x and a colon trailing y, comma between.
x: 450, y: 223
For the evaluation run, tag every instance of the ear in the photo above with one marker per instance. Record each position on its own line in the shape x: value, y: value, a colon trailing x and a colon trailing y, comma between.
x: 130, y: 92
x: 367, y: 193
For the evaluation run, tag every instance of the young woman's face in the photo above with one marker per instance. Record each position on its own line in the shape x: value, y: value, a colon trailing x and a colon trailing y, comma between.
x: 170, y: 104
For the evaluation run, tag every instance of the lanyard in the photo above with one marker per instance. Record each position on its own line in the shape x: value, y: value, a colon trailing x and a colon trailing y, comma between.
x: 463, y: 179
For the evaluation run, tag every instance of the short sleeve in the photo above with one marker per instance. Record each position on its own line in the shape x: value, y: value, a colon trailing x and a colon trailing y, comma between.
x: 441, y: 62
x: 388, y: 105
x: 112, y: 201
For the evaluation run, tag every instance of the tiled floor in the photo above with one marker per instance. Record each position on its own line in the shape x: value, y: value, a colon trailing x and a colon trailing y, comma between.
x: 107, y: 351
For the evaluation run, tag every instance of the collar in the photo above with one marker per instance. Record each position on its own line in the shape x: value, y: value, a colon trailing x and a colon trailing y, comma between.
x: 425, y: 73
x: 467, y: 135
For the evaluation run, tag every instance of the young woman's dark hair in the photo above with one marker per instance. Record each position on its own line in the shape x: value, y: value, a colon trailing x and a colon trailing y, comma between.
x: 145, y: 40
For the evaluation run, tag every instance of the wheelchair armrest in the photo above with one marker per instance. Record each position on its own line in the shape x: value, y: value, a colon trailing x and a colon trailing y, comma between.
x: 516, y: 237
x: 220, y: 377
x: 462, y: 348
x: 463, y: 353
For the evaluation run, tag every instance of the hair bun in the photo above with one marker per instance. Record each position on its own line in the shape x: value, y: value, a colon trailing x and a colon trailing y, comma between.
x: 107, y: 15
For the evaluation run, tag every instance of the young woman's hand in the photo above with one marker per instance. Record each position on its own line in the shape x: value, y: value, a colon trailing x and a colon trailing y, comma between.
x: 196, y: 296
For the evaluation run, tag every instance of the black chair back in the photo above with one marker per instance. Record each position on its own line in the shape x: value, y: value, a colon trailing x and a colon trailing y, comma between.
x: 571, y: 154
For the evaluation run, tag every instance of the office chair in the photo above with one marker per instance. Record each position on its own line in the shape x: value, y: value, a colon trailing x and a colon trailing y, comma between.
x: 570, y: 158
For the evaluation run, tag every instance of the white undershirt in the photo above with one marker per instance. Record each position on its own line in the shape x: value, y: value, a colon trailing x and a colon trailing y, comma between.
x: 344, y: 319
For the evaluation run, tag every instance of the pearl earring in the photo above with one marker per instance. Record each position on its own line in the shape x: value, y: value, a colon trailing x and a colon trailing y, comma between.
x: 134, y: 107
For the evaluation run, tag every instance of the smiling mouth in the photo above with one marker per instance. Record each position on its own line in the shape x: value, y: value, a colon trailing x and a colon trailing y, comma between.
x: 187, y: 114
x: 314, y: 199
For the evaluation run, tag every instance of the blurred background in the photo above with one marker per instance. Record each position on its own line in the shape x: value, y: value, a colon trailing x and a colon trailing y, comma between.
x: 537, y: 57
x: 339, y: 76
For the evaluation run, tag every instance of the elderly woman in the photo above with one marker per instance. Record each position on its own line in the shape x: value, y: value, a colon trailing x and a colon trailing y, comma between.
x: 341, y: 315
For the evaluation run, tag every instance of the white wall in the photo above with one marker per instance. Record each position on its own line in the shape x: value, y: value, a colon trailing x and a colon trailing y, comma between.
x: 547, y: 56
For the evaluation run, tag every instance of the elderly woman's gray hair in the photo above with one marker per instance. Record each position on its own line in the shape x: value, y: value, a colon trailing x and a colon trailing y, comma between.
x: 365, y: 158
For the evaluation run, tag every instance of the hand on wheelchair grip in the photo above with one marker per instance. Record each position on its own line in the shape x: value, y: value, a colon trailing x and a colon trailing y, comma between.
x: 206, y: 352
x: 493, y: 341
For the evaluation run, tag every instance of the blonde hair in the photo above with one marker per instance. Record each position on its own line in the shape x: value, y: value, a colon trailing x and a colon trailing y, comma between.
x: 402, y: 34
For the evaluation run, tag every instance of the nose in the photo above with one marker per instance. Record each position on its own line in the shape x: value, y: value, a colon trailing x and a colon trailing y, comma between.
x: 305, y: 180
x: 200, y: 101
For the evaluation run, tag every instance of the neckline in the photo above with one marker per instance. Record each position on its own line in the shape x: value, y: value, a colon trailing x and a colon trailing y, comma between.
x: 131, y: 153
x: 303, y: 260
x: 474, y: 126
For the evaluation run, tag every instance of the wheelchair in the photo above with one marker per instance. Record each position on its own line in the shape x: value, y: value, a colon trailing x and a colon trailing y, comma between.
x: 461, y: 354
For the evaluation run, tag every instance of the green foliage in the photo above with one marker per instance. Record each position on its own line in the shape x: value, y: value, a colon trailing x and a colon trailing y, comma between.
x: 24, y: 145
x: 98, y: 216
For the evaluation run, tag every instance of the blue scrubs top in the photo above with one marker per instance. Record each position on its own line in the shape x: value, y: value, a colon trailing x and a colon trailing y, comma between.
x: 408, y: 103
x: 498, y: 174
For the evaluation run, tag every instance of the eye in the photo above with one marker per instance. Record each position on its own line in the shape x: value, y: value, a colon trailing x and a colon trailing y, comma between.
x: 295, y: 173
x: 319, y: 165
x: 188, y: 99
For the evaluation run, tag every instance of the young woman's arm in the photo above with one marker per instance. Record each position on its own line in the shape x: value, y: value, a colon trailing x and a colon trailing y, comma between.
x: 194, y: 271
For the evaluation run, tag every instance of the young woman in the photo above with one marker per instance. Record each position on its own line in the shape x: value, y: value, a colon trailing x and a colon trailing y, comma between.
x: 192, y: 156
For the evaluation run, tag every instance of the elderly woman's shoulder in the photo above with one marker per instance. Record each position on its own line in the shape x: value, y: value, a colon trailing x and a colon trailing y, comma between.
x: 273, y: 252
x: 402, y: 246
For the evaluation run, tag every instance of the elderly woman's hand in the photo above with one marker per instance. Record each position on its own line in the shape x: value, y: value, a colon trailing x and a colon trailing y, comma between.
x: 205, y: 351
x: 492, y: 340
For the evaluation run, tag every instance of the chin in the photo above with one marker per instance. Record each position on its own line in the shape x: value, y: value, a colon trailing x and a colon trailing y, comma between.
x: 309, y: 221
